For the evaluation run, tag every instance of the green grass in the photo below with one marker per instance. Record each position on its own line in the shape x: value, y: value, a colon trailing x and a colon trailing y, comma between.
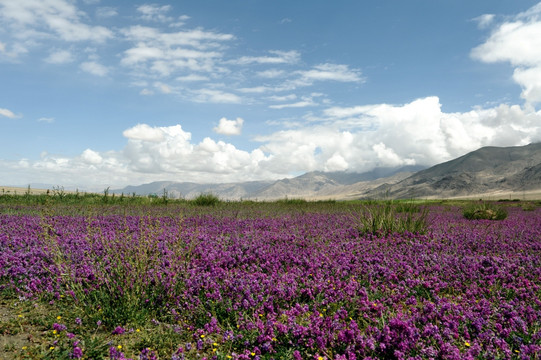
x: 388, y: 216
x: 484, y: 211
x: 206, y: 200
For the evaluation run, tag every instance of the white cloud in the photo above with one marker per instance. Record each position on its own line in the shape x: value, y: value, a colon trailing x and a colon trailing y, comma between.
x: 7, y: 113
x: 413, y: 133
x: 164, y: 88
x: 518, y: 41
x: 50, y: 18
x: 60, y: 57
x: 331, y: 72
x: 215, y: 96
x: 283, y: 98
x: 146, y: 92
x: 229, y: 127
x: 180, y: 53
x: 91, y: 157
x: 94, y: 68
x: 256, y: 89
x: 145, y: 133
x: 192, y: 77
x: 359, y: 138
x: 306, y: 101
x: 48, y: 120
x: 106, y: 12
x: 276, y: 57
x: 485, y: 20
x: 153, y: 12
x: 271, y: 73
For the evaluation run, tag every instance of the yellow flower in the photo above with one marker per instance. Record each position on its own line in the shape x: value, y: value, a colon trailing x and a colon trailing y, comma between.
x: 25, y: 347
x: 51, y: 348
x: 58, y: 317
x: 229, y: 357
x: 202, y: 336
x: 215, y: 344
x: 319, y: 358
x: 320, y: 315
x: 20, y: 316
x: 138, y: 330
x: 466, y: 343
x: 253, y: 354
x: 54, y: 332
x: 119, y: 347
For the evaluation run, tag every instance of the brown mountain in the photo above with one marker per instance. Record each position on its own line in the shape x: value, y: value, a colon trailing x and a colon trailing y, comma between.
x: 487, y: 170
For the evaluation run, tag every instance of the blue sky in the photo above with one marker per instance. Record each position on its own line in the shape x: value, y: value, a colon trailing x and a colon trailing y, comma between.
x: 98, y: 93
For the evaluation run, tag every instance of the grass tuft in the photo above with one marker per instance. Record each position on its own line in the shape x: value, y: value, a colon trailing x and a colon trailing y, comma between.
x: 484, y: 211
x: 389, y: 217
x: 206, y: 200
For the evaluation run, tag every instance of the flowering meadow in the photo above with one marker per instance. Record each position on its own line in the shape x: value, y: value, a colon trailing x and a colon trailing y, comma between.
x: 267, y: 281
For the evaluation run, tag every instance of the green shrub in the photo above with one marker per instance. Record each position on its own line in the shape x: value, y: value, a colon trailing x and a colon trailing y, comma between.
x: 528, y: 206
x: 291, y: 201
x: 385, y: 218
x: 407, y: 207
x: 484, y: 211
x: 206, y: 200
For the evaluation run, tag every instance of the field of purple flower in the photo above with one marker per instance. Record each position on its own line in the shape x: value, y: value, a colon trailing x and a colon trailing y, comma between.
x: 265, y: 284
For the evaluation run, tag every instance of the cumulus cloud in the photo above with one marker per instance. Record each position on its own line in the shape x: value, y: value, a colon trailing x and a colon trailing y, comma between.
x: 517, y: 41
x: 91, y: 157
x: 144, y: 132
x: 94, y: 68
x: 418, y: 132
x: 60, y: 57
x: 359, y: 138
x: 170, y: 150
x: 229, y: 127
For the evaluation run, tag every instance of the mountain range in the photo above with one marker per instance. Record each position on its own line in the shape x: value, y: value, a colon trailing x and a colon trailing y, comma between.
x: 488, y: 170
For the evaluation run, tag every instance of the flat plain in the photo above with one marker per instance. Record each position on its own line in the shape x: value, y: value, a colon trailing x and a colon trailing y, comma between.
x: 136, y: 278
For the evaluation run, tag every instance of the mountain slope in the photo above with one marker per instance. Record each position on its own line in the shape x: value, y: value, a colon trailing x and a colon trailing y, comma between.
x: 485, y: 170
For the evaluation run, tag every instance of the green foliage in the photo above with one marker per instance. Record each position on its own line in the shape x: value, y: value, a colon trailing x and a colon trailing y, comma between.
x: 293, y: 201
x: 528, y: 206
x: 388, y: 217
x: 484, y: 211
x: 206, y: 200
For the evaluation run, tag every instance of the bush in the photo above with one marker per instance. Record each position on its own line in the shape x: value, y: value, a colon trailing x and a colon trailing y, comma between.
x: 293, y: 201
x: 529, y: 206
x: 386, y: 217
x: 484, y: 211
x: 206, y: 200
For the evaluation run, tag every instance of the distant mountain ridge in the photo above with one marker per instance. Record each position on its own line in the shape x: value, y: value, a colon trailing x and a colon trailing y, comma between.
x: 486, y: 170
x: 310, y: 185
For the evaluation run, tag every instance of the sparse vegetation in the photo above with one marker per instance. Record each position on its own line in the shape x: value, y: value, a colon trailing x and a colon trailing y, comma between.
x: 484, y: 210
x: 206, y: 200
x: 388, y: 217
